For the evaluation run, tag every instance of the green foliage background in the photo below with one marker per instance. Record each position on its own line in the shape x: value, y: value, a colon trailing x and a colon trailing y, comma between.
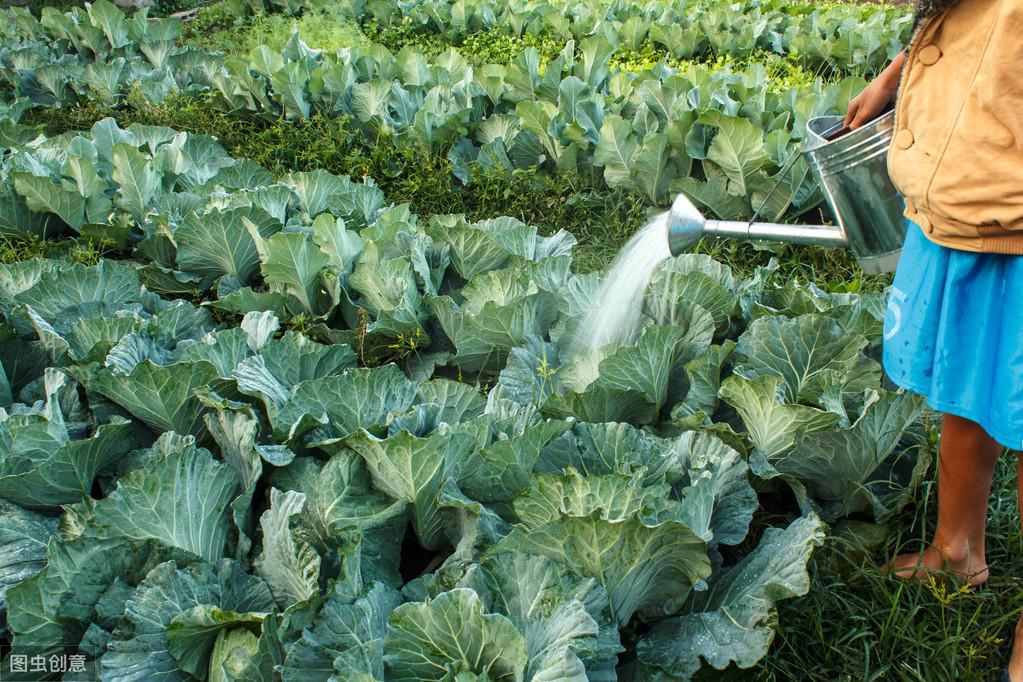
x: 854, y: 624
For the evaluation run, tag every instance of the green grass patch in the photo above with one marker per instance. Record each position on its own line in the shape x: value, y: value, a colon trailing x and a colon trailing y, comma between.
x: 214, y: 28
x: 858, y: 624
x: 166, y: 7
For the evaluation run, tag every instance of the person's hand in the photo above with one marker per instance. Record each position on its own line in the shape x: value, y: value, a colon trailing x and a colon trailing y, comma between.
x: 881, y: 92
x: 867, y: 105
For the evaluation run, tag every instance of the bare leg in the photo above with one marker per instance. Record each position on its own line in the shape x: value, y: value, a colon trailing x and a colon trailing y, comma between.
x: 966, y: 465
x: 1016, y: 662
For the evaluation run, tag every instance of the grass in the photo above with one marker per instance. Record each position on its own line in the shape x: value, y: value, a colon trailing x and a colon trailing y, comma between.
x: 858, y: 624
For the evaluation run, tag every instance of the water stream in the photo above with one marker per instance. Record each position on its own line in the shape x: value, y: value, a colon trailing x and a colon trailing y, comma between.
x: 616, y: 314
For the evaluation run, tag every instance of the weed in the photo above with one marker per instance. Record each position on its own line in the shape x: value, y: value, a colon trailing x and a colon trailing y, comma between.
x: 404, y: 34
x: 13, y: 250
x: 81, y: 250
x: 165, y: 7
x: 406, y: 345
x: 300, y: 323
x: 212, y: 27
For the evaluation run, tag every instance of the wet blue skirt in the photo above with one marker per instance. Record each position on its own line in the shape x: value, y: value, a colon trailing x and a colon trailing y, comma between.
x: 954, y: 333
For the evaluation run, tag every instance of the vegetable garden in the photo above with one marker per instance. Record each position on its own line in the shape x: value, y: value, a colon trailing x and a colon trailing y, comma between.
x: 285, y: 388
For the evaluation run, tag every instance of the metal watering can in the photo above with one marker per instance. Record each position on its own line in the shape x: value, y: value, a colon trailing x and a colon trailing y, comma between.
x: 852, y: 171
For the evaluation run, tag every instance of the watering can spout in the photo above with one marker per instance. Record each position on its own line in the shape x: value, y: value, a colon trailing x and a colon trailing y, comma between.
x: 686, y: 226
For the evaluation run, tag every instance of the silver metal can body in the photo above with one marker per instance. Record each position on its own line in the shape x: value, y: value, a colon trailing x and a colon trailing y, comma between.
x: 852, y: 171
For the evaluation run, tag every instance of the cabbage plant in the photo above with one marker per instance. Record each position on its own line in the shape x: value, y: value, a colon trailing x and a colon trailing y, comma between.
x: 300, y: 433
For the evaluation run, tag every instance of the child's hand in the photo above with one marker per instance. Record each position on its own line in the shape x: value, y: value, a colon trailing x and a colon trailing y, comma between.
x: 867, y: 105
x: 881, y: 92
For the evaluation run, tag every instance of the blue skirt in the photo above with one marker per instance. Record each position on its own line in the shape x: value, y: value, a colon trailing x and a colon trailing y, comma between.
x: 954, y: 333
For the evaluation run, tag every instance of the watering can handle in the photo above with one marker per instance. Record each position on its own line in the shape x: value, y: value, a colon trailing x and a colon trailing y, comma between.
x: 833, y: 129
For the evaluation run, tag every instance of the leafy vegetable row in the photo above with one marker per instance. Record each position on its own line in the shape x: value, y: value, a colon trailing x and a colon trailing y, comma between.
x: 234, y: 497
x: 834, y: 38
x: 839, y: 38
x: 720, y: 136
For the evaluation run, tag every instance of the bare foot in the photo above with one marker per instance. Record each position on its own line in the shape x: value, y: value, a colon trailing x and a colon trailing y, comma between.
x: 932, y: 564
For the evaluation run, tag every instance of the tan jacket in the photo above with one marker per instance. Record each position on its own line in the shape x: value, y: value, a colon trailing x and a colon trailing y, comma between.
x: 957, y: 151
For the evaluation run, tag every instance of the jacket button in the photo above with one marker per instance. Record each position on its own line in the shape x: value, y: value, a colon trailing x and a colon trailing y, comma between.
x: 929, y: 54
x: 904, y: 139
